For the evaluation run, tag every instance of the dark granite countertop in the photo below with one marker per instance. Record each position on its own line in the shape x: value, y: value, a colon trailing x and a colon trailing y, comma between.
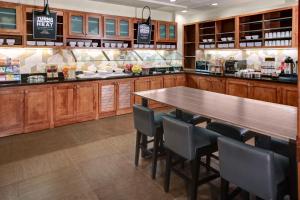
x: 61, y: 80
x: 269, y: 79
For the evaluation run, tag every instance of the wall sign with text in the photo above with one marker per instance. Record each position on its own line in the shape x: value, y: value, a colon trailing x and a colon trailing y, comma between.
x: 144, y: 33
x: 44, y: 26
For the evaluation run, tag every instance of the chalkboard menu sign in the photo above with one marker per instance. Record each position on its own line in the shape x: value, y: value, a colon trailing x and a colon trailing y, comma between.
x: 144, y: 33
x: 44, y: 26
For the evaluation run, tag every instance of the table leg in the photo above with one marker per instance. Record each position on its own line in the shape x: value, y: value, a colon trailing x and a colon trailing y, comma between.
x: 144, y: 137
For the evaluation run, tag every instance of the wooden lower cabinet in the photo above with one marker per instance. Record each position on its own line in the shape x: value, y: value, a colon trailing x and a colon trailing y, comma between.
x: 290, y: 95
x: 154, y: 84
x: 265, y: 92
x: 180, y: 80
x: 86, y: 101
x: 141, y: 84
x: 204, y: 83
x: 11, y: 111
x: 169, y: 81
x: 239, y: 88
x: 38, y: 108
x: 64, y: 97
x: 125, y: 97
x: 218, y: 85
x: 193, y: 81
x: 107, y: 98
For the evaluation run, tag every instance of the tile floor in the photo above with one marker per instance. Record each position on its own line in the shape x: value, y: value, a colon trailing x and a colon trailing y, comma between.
x: 90, y: 160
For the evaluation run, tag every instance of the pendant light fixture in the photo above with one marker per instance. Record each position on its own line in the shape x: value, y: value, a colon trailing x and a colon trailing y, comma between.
x: 46, y: 10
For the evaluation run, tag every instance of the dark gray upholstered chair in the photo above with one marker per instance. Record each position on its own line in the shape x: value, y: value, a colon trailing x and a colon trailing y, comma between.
x: 237, y: 133
x: 190, y: 118
x: 258, y: 171
x: 188, y: 142
x: 149, y: 124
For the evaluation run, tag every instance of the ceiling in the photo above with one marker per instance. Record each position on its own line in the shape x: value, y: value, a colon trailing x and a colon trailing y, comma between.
x: 179, y: 5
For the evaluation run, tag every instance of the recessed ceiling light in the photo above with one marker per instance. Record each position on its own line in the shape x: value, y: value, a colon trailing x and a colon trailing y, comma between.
x: 214, y: 4
x: 184, y: 11
x: 172, y: 0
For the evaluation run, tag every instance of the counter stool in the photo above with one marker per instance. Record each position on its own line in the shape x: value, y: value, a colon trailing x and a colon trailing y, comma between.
x: 258, y: 171
x: 148, y: 123
x: 190, y: 143
x: 234, y: 132
x: 189, y: 117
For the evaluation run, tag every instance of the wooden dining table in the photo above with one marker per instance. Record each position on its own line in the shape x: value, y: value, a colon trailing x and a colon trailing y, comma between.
x: 268, y: 120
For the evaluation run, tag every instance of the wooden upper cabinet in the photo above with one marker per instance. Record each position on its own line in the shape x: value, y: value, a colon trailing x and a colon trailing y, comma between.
x: 77, y: 24
x: 64, y: 104
x: 93, y: 25
x: 12, y: 111
x: 11, y: 18
x: 125, y: 27
x: 110, y: 27
x: 86, y: 101
x: 85, y: 25
x: 166, y: 31
x: 172, y: 28
x: 162, y: 31
x: 125, y: 97
x: 118, y: 27
x: 38, y: 103
x: 107, y: 98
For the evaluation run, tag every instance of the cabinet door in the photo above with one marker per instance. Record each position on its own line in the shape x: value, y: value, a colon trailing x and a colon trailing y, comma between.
x: 124, y: 28
x: 12, y: 111
x: 10, y: 18
x: 172, y: 32
x: 169, y: 81
x: 238, y: 88
x: 180, y: 80
x: 110, y: 27
x: 86, y: 101
x: 37, y: 109
x: 205, y: 83
x: 141, y: 84
x: 162, y: 31
x: 290, y: 95
x: 156, y: 83
x: 193, y: 81
x: 125, y: 98
x: 94, y: 24
x: 218, y: 85
x: 64, y: 104
x: 77, y: 24
x: 265, y: 92
x: 108, y: 99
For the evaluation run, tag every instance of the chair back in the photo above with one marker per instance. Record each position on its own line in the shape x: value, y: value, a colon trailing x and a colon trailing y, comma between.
x: 226, y: 130
x: 178, y: 137
x: 248, y: 167
x: 143, y: 118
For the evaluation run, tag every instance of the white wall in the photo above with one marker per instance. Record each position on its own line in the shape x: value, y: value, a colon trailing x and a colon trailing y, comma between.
x: 98, y: 7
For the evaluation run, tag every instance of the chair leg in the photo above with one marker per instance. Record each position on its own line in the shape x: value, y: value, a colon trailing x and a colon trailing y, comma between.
x: 195, y: 177
x: 224, y: 189
x: 137, y: 148
x: 155, y: 153
x: 168, y: 171
x: 208, y: 159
